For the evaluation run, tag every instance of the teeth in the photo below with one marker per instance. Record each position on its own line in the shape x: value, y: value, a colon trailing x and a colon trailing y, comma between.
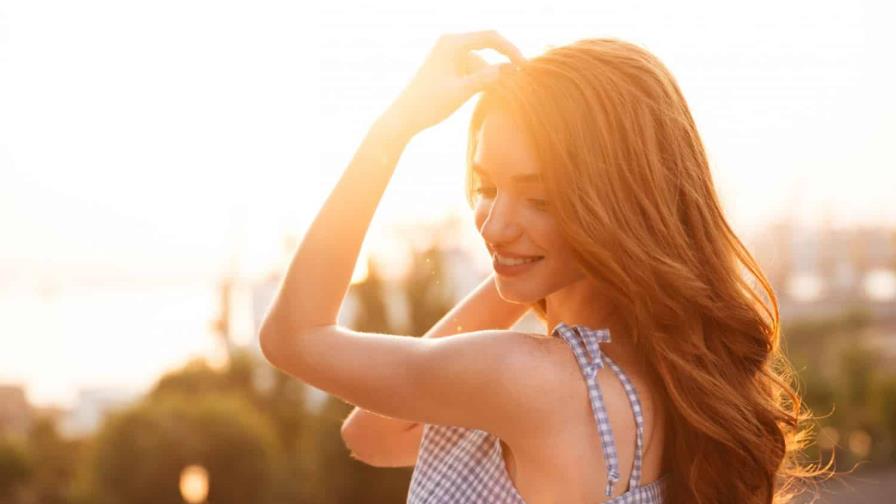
x: 507, y: 261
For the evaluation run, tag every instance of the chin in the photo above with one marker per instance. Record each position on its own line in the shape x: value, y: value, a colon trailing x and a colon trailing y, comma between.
x: 512, y: 295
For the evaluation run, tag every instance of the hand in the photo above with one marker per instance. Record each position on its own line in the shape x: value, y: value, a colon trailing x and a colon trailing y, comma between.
x: 450, y: 75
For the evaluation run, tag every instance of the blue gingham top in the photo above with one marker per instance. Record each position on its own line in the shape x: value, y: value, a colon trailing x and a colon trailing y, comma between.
x: 459, y: 465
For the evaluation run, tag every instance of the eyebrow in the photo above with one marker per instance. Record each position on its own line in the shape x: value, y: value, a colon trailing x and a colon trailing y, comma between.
x: 526, y: 178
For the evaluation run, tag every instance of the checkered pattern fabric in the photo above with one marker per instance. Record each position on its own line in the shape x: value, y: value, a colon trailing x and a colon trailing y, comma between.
x: 459, y: 465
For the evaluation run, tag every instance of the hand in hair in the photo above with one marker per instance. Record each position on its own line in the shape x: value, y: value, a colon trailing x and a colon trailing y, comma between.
x: 449, y: 76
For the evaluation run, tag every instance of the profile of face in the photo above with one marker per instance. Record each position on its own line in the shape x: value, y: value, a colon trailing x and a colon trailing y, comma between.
x: 514, y: 216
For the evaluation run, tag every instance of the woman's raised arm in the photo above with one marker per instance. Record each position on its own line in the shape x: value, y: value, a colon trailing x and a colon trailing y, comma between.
x: 318, y: 276
x: 371, y: 436
x: 395, y: 377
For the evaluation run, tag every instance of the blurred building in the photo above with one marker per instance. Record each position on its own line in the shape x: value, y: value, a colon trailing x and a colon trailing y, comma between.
x: 823, y: 270
x: 91, y: 407
x: 16, y: 414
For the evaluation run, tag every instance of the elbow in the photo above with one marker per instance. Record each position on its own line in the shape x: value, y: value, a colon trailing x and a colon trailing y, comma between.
x: 270, y: 335
x: 279, y: 343
x: 353, y: 438
x: 267, y: 342
x: 346, y: 432
x: 380, y: 446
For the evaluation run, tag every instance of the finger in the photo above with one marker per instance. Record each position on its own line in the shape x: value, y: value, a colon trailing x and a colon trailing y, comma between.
x: 470, y: 64
x: 490, y: 39
x: 484, y: 77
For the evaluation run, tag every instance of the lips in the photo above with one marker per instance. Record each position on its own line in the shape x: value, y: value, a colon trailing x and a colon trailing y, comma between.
x: 513, y: 269
x: 513, y: 261
x: 512, y: 255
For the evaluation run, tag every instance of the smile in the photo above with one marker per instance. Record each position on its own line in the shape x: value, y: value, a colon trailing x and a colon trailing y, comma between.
x: 513, y: 261
x: 506, y: 266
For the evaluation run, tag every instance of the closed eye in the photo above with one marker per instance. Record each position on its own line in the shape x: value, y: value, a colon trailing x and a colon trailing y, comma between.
x: 487, y: 192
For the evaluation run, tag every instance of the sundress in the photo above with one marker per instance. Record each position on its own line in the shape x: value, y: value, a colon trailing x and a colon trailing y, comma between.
x: 460, y: 465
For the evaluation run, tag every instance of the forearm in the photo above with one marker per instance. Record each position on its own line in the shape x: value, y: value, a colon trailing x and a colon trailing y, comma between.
x: 483, y: 308
x: 320, y: 271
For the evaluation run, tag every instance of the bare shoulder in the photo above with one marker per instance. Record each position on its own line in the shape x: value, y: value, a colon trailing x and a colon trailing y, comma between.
x: 513, y: 372
x: 569, y: 393
x: 549, y: 366
x: 568, y: 416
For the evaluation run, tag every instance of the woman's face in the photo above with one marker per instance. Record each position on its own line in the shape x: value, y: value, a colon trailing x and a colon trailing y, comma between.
x: 514, y: 216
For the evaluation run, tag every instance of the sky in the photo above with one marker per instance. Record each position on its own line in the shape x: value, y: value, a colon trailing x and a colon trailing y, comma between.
x: 168, y: 142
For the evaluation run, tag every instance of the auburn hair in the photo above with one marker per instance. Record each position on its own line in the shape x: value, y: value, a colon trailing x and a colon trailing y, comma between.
x: 630, y: 187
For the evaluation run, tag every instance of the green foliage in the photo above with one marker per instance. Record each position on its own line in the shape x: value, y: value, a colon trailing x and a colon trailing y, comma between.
x: 883, y: 407
x: 55, y: 462
x: 371, y: 315
x: 858, y: 377
x: 15, y: 468
x: 345, y: 479
x: 140, y: 452
x: 846, y: 384
x: 427, y: 290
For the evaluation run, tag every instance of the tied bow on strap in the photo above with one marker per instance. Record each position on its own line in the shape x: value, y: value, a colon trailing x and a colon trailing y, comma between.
x: 592, y: 338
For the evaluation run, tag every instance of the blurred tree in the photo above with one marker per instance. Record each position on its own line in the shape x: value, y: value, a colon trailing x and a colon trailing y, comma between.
x: 274, y: 394
x: 428, y: 290
x: 371, y: 315
x: 55, y: 462
x: 15, y: 469
x: 140, y: 452
x: 857, y: 369
x: 845, y: 384
x: 285, y: 404
x: 345, y: 479
x: 195, y: 378
x: 884, y: 405
x: 278, y: 395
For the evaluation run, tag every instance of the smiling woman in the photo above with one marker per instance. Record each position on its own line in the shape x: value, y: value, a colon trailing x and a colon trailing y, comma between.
x: 591, y: 189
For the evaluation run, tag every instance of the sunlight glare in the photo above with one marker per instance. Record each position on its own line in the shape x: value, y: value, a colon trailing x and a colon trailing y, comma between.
x: 194, y: 484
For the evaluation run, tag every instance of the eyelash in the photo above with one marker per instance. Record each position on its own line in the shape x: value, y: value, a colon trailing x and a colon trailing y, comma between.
x: 539, y: 204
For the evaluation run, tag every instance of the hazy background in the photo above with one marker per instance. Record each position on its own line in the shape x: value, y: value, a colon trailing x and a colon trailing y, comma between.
x: 159, y: 160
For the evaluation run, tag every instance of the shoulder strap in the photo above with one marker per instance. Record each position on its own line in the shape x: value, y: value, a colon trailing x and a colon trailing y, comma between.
x: 635, y: 478
x: 581, y: 337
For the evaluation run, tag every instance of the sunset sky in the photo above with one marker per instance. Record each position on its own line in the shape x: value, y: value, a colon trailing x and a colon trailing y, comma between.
x: 162, y: 142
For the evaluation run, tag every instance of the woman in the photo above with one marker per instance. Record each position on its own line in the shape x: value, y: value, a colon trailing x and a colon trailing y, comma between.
x: 660, y: 379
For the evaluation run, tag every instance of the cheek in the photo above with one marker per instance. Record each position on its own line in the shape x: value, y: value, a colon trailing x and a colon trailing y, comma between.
x: 545, y: 233
x: 555, y: 245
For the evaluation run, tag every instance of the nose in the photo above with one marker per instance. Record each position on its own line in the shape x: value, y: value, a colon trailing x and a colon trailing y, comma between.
x: 499, y: 224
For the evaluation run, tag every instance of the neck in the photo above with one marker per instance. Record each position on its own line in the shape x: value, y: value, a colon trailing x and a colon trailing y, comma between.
x: 583, y: 303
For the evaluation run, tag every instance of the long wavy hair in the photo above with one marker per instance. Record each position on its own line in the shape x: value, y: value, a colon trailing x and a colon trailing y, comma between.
x: 630, y: 186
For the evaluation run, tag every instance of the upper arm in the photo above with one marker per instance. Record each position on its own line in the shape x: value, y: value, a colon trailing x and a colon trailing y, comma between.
x: 481, y: 380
